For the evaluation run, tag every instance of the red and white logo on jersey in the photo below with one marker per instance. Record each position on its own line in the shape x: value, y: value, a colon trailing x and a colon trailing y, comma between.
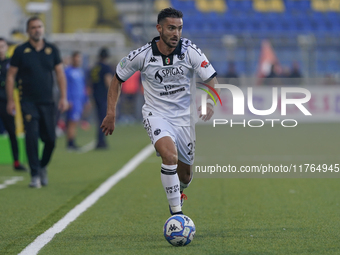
x: 205, y: 64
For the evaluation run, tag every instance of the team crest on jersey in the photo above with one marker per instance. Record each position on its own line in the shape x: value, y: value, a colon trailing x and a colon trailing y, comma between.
x: 167, y: 60
x: 27, y: 50
x: 181, y: 56
x: 28, y: 117
x: 48, y: 50
x: 122, y: 63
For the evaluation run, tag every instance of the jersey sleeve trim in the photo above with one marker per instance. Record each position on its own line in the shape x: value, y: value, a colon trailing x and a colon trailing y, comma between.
x: 135, y: 53
x: 211, y: 77
x: 118, y: 78
x: 195, y: 50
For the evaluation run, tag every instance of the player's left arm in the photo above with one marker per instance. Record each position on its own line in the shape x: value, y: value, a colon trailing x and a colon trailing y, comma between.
x: 61, y: 80
x: 207, y: 73
x: 210, y: 104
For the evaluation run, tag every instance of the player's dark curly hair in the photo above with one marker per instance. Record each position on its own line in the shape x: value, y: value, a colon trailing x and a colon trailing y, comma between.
x: 169, y: 13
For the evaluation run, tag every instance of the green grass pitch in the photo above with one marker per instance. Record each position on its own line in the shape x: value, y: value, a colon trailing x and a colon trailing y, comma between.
x: 232, y: 215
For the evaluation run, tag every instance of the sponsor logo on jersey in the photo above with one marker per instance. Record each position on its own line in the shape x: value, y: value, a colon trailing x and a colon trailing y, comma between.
x: 205, y: 64
x: 157, y: 76
x: 172, y: 92
x: 163, y: 73
x: 153, y: 59
x: 168, y: 87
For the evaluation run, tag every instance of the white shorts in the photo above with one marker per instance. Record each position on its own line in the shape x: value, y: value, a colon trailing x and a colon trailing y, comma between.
x: 183, y: 137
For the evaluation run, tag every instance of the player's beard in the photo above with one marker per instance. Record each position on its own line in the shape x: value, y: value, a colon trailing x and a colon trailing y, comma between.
x: 167, y: 41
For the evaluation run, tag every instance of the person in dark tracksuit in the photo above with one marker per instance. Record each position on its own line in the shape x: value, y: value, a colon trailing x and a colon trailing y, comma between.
x: 7, y: 119
x: 32, y: 65
x: 101, y: 76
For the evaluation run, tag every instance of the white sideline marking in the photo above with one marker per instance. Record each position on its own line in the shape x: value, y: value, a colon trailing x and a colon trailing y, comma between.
x: 47, y: 236
x: 12, y: 180
x: 88, y: 147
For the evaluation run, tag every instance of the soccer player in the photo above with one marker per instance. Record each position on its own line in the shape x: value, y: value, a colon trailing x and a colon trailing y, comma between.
x: 168, y: 65
x: 7, y: 119
x: 101, y: 76
x: 76, y: 97
x: 32, y: 65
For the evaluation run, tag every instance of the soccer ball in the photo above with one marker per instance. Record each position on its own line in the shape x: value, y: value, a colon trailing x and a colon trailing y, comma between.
x: 179, y: 230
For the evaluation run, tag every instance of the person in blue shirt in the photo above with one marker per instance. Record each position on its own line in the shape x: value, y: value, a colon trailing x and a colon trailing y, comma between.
x: 101, y: 75
x: 76, y: 95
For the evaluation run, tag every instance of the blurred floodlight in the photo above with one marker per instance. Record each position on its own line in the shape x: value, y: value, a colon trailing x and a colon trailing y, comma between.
x: 36, y: 7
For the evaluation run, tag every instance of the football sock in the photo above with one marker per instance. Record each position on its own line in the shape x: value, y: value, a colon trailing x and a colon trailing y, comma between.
x: 171, y: 185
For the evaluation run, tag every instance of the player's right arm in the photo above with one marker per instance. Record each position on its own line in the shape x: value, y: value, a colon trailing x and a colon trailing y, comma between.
x: 10, y: 81
x: 108, y: 124
x: 107, y: 79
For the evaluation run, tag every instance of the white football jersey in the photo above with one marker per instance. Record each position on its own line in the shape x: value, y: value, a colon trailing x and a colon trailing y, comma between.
x: 169, y: 81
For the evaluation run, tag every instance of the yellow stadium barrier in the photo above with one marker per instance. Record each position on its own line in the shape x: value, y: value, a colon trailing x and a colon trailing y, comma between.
x: 211, y: 5
x: 268, y: 5
x: 161, y: 4
x: 326, y: 5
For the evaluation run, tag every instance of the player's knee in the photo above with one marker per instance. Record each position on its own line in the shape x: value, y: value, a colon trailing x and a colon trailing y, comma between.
x: 169, y: 158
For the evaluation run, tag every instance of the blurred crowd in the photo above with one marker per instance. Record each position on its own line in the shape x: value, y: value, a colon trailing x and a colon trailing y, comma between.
x: 279, y: 75
x: 87, y: 95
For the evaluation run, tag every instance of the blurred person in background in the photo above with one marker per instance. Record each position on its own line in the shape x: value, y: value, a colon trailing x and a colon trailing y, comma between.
x: 33, y: 64
x: 232, y: 75
x: 84, y: 122
x: 295, y: 74
x: 8, y: 119
x: 128, y: 102
x: 274, y: 76
x: 76, y: 97
x: 100, y: 78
